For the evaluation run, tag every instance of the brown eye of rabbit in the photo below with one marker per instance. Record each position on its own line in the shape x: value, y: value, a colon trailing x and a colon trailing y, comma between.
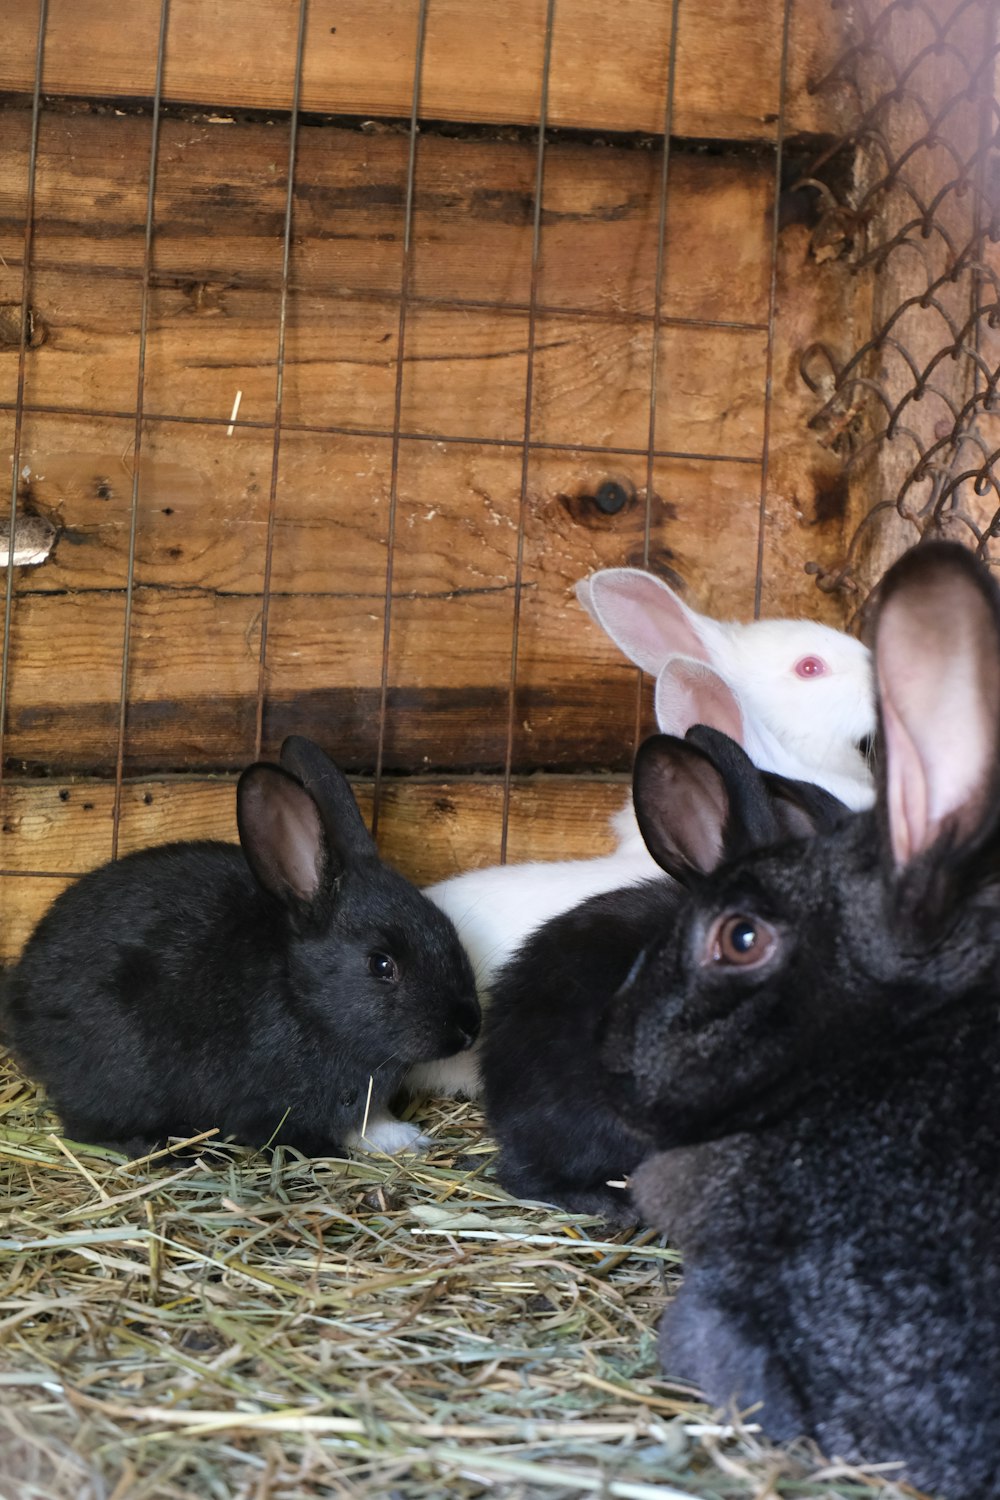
x: 381, y: 966
x: 740, y: 942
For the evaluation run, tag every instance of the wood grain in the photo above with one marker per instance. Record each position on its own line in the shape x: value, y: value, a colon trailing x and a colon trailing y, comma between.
x: 200, y: 551
x: 465, y: 503
x: 428, y: 829
x: 212, y: 335
x: 481, y: 63
x: 220, y: 202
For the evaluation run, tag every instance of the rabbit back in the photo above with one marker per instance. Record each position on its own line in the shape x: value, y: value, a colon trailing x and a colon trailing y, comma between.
x: 544, y: 1085
x: 129, y: 1006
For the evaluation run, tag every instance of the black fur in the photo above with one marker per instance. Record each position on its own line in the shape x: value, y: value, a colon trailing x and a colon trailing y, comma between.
x: 544, y: 1086
x: 547, y: 1091
x: 833, y: 1183
x: 173, y: 991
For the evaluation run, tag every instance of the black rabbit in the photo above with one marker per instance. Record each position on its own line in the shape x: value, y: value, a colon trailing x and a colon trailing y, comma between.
x: 820, y: 1044
x: 195, y: 985
x: 546, y: 1089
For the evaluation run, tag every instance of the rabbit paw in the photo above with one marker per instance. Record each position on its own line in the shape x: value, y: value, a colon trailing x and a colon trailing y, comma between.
x: 390, y: 1136
x: 448, y: 1077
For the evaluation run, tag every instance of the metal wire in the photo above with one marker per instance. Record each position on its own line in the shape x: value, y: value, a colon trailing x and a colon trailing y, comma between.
x: 658, y: 323
x: 529, y: 391
x: 279, y: 380
x: 406, y: 436
x: 404, y: 298
x: 19, y: 404
x: 772, y: 295
x: 915, y: 403
x: 147, y: 262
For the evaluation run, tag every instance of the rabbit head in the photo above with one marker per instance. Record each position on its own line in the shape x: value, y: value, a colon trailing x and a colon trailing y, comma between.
x: 368, y: 949
x: 808, y: 687
x: 792, y: 957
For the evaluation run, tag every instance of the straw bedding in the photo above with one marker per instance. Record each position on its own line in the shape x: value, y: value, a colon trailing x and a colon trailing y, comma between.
x: 258, y: 1326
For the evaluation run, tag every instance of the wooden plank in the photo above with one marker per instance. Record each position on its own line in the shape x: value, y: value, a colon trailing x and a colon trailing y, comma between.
x: 220, y: 202
x: 805, y: 519
x: 193, y: 680
x: 196, y: 642
x: 429, y: 829
x: 193, y: 685
x: 202, y: 505
x: 481, y: 64
x: 464, y: 369
x: 15, y: 146
x: 23, y: 900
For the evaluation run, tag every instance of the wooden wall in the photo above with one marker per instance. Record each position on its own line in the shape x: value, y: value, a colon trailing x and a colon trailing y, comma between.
x: 443, y: 447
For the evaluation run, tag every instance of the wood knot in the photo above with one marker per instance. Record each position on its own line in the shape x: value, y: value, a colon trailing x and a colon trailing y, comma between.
x: 594, y: 505
x: 10, y: 327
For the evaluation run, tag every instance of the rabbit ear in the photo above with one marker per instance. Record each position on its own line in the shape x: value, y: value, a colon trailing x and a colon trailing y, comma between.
x: 689, y: 692
x: 701, y: 800
x: 346, y: 833
x: 282, y: 834
x: 937, y: 656
x: 801, y: 808
x: 681, y: 806
x: 645, y: 618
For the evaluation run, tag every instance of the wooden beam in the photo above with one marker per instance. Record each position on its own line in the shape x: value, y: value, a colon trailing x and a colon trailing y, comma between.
x: 481, y: 63
x: 220, y: 202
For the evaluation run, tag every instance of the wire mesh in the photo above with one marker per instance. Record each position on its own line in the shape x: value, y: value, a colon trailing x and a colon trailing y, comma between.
x: 905, y: 201
x: 909, y: 199
x: 133, y: 521
x: 397, y: 405
x: 23, y: 339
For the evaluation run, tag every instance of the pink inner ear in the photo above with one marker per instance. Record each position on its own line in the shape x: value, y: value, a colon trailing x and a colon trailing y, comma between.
x: 681, y: 806
x: 301, y: 850
x: 645, y: 618
x: 906, y: 790
x: 938, y: 673
x: 689, y: 692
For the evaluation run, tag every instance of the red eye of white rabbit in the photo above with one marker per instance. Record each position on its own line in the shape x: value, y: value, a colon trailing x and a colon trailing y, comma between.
x: 740, y: 942
x: 811, y: 666
x: 381, y: 966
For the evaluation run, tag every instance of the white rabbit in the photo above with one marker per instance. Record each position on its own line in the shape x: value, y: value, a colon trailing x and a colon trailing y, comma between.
x: 494, y: 910
x: 805, y: 689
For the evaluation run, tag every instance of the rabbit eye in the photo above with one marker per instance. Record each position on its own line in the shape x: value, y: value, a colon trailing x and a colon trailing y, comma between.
x: 811, y: 666
x: 740, y: 942
x: 381, y: 966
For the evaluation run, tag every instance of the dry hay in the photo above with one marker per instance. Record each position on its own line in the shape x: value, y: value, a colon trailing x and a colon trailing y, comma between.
x: 258, y: 1327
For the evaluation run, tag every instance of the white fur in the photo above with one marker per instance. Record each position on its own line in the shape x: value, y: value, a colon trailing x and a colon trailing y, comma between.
x: 495, y: 910
x: 738, y: 678
x: 385, y: 1133
x: 806, y: 727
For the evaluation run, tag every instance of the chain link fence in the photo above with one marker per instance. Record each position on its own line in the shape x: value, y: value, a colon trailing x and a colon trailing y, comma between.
x: 910, y: 197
